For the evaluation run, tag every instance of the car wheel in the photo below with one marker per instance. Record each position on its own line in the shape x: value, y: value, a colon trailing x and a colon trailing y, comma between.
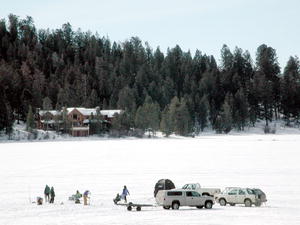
x: 208, y: 205
x: 232, y: 204
x: 166, y: 207
x: 199, y: 206
x: 175, y: 205
x: 258, y: 204
x: 248, y: 202
x: 222, y: 202
x: 138, y: 208
x: 129, y: 208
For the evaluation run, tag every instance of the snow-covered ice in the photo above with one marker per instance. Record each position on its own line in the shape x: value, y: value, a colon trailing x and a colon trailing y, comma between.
x: 270, y: 162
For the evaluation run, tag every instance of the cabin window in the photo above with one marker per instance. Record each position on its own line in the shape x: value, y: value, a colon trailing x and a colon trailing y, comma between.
x: 74, y: 116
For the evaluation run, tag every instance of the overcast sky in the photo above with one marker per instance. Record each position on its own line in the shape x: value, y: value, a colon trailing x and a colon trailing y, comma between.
x: 192, y: 24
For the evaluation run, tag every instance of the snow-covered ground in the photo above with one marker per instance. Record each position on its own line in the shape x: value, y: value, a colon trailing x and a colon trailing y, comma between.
x: 21, y: 135
x: 270, y: 162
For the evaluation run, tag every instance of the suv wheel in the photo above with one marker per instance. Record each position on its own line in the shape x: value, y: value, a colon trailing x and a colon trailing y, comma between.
x: 208, y: 205
x: 166, y: 207
x: 248, y: 202
x: 258, y: 204
x: 222, y: 202
x: 175, y: 205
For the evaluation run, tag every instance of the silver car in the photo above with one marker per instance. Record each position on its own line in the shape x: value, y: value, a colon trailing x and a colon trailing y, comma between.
x: 179, y: 197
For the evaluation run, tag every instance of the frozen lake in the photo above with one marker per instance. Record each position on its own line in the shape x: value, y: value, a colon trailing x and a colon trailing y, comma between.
x: 270, y: 162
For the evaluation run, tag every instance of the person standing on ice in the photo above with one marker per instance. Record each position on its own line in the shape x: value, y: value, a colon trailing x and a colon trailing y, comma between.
x: 125, y: 192
x: 47, y: 193
x: 52, y: 195
x: 86, y: 197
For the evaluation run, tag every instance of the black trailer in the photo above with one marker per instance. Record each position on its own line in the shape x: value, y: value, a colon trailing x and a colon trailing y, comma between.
x: 131, y: 206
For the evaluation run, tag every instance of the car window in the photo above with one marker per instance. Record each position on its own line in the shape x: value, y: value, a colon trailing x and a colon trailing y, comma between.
x: 195, y: 194
x: 242, y: 192
x: 233, y: 192
x: 174, y: 193
x: 189, y: 194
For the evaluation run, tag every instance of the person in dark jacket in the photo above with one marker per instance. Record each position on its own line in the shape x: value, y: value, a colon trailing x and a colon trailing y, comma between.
x: 47, y: 193
x: 77, y: 196
x: 52, y: 195
x: 125, y: 192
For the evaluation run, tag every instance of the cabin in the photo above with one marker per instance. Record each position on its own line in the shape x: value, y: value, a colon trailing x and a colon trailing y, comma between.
x: 78, y: 118
x: 48, y: 119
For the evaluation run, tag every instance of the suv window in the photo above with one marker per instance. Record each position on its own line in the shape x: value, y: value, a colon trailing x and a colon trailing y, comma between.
x: 250, y: 192
x: 174, y: 193
x: 242, y: 192
x: 233, y: 192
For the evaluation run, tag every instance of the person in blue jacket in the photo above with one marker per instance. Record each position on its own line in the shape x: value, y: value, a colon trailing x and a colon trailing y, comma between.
x: 125, y: 192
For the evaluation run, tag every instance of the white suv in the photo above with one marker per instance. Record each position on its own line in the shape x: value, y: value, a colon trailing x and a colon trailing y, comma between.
x: 179, y: 197
x: 234, y: 196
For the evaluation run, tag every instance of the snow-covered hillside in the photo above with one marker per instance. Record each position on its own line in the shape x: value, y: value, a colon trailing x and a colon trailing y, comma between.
x: 270, y: 162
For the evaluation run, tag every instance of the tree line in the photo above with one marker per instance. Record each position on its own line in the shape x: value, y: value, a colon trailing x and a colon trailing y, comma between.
x: 172, y: 92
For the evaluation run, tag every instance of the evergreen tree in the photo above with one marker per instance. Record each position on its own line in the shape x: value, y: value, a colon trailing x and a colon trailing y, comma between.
x: 121, y: 124
x: 226, y: 117
x: 30, y: 120
x: 290, y: 86
x: 127, y: 102
x: 268, y: 69
x: 47, y: 104
x: 65, y: 121
x: 166, y: 124
x: 241, y: 112
x: 147, y: 116
x: 6, y: 117
x: 203, y: 112
x: 180, y: 115
x: 92, y: 100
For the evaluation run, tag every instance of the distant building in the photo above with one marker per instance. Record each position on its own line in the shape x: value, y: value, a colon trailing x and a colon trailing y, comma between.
x: 78, y: 119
